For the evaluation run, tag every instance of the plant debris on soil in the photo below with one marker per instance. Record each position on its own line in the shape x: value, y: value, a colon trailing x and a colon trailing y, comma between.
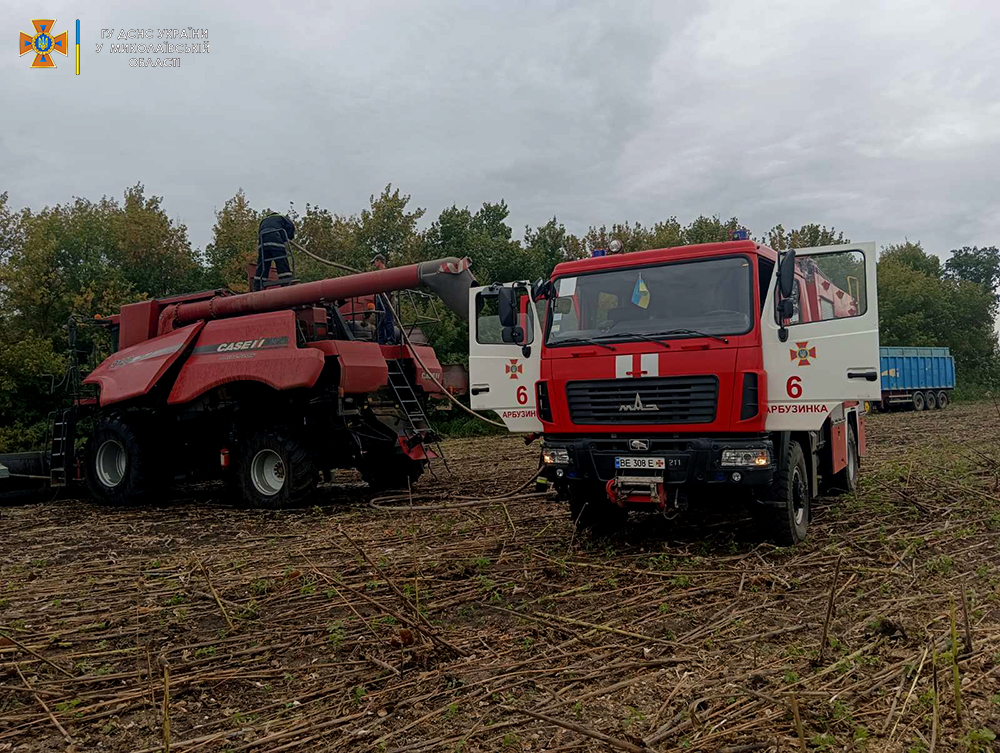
x: 457, y: 619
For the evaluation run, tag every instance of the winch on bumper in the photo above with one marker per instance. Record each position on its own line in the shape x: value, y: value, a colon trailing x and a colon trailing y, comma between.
x: 638, y: 468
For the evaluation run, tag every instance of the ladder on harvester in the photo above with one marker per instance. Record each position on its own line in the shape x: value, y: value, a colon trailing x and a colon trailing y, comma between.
x: 415, y: 419
x: 62, y: 449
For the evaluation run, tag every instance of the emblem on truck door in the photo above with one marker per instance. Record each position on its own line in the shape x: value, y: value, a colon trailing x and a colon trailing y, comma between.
x: 637, y: 405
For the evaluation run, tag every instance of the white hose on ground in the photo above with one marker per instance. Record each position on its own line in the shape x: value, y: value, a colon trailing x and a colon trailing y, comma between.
x: 406, y: 339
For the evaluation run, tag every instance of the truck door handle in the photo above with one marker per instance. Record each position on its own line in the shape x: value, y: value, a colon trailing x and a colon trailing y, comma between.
x: 870, y: 376
x: 479, y: 388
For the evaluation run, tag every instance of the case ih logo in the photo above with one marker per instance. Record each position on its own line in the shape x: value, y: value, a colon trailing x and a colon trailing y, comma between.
x: 803, y: 352
x: 514, y: 368
x: 265, y: 343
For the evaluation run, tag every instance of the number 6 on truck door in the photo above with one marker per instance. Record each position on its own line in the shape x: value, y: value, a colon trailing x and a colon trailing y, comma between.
x: 820, y: 340
x: 501, y: 376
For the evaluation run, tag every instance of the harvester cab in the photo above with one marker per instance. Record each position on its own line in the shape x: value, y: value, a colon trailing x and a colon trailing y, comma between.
x: 662, y: 376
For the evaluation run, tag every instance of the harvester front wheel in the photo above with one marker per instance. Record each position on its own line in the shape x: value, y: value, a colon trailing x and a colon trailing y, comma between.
x: 122, y: 467
x: 274, y: 470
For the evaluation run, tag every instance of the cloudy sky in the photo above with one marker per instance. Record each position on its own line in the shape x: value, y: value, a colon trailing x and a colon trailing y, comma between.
x: 880, y: 118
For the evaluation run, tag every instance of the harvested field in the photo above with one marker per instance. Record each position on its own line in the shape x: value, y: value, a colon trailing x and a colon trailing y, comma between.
x: 468, y: 625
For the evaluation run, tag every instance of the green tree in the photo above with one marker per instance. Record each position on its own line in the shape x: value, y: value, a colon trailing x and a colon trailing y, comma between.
x: 979, y: 265
x: 386, y: 228
x: 234, y: 243
x: 807, y: 236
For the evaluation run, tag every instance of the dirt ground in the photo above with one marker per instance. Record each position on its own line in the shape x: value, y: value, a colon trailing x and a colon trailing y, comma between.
x: 450, y: 623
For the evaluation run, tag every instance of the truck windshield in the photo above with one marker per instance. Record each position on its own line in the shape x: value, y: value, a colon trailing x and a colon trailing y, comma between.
x: 680, y: 299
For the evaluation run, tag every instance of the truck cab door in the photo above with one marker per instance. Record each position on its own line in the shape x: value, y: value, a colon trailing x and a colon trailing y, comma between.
x: 826, y: 352
x: 502, y: 373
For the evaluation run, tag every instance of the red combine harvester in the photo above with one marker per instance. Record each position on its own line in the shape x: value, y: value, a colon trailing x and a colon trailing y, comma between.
x: 686, y: 374
x: 267, y: 389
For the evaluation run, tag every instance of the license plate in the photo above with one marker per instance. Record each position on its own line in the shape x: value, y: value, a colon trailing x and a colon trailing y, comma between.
x: 641, y: 464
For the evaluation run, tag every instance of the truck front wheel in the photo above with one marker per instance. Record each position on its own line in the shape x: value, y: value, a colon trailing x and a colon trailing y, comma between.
x: 275, y: 470
x: 122, y: 467
x: 783, y: 517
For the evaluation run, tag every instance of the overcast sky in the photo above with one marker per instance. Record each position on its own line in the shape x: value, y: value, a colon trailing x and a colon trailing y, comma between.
x: 882, y: 119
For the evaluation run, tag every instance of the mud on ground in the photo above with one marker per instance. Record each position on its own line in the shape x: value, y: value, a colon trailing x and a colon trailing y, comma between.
x: 447, y: 623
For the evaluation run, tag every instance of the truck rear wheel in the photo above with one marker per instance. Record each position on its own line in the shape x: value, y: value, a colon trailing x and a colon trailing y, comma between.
x: 274, y: 470
x: 122, y: 466
x: 592, y: 510
x: 783, y: 517
x: 943, y: 400
x: 847, y: 479
x: 930, y: 400
x: 918, y: 401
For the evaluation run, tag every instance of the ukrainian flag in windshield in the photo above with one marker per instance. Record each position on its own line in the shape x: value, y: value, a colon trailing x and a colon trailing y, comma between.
x: 640, y: 293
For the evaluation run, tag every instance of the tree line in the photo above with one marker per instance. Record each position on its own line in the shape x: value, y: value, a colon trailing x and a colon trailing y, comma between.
x: 88, y: 258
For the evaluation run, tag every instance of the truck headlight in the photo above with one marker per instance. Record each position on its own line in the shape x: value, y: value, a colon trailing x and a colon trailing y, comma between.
x: 555, y: 457
x: 753, y: 458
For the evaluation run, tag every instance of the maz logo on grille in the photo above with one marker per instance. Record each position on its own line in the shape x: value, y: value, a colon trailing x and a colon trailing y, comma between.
x: 638, y: 445
x: 637, y: 405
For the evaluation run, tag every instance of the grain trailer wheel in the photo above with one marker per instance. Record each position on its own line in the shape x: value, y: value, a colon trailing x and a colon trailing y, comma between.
x: 942, y: 400
x: 930, y: 399
x: 918, y: 401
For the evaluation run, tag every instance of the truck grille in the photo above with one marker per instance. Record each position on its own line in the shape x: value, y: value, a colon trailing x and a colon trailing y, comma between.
x: 655, y: 400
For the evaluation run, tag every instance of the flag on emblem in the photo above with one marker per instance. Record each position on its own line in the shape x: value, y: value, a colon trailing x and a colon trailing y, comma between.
x: 640, y: 293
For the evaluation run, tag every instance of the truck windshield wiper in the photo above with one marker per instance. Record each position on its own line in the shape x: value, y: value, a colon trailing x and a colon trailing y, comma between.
x: 690, y: 332
x: 588, y: 340
x: 637, y: 336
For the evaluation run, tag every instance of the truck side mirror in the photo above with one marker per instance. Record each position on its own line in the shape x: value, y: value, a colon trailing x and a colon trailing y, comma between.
x: 786, y: 274
x: 507, y: 307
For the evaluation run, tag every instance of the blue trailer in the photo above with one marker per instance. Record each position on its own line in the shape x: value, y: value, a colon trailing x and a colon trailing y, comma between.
x: 921, y: 378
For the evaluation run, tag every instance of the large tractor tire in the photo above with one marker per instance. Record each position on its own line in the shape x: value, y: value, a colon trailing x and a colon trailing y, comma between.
x: 783, y: 518
x: 123, y: 463
x: 592, y: 511
x: 397, y: 472
x: 847, y: 479
x: 275, y: 470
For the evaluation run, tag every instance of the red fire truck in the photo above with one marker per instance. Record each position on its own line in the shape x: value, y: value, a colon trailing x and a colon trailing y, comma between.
x: 680, y: 374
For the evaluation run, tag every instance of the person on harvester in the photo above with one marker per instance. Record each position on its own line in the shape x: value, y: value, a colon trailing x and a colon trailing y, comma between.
x: 272, y: 238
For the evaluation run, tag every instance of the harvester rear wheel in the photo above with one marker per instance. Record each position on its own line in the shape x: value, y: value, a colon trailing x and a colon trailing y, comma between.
x: 122, y: 466
x: 274, y: 470
x: 395, y: 473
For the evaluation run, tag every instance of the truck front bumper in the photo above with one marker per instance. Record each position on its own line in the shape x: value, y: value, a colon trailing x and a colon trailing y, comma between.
x: 688, y: 460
